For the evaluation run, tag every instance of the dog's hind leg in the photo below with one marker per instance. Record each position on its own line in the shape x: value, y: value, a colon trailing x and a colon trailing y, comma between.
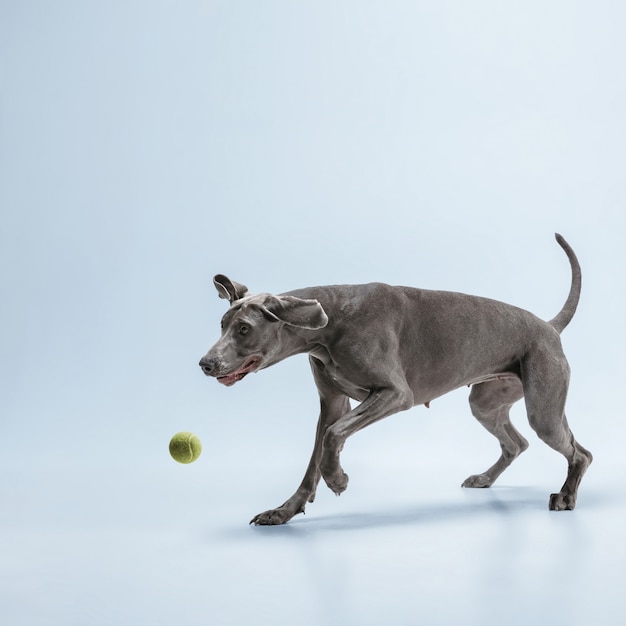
x: 578, y: 460
x: 490, y: 403
x: 546, y: 381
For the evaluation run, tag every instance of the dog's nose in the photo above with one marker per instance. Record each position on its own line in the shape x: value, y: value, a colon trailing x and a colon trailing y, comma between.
x: 208, y: 365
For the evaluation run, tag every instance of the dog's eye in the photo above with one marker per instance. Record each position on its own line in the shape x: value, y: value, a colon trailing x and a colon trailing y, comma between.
x: 243, y: 329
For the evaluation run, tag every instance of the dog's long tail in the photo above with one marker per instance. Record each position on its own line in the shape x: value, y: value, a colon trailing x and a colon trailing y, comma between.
x: 566, y: 314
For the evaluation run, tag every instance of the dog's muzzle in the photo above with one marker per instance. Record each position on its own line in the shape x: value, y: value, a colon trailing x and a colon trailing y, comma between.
x: 212, y: 367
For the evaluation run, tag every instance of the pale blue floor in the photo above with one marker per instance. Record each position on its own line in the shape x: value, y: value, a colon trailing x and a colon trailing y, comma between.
x: 169, y: 544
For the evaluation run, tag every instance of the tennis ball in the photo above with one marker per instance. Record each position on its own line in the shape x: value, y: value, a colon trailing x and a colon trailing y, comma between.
x: 185, y: 447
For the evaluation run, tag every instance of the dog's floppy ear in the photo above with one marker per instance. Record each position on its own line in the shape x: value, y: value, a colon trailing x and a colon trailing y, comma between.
x: 294, y: 311
x: 229, y: 289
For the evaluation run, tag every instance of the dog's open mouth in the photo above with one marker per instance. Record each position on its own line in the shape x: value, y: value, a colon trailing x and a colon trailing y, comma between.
x: 249, y: 365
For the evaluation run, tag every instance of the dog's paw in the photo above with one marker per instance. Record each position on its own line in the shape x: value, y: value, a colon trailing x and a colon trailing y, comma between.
x: 560, y: 502
x: 338, y: 482
x: 274, y: 517
x: 477, y: 481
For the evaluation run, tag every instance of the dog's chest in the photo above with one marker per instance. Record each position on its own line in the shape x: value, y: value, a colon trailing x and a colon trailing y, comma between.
x: 339, y: 377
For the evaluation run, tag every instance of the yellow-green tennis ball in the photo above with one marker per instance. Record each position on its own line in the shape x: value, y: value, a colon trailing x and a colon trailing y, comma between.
x: 185, y: 447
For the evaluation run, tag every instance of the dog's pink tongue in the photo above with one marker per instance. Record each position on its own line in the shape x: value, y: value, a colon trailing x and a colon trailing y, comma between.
x: 229, y: 380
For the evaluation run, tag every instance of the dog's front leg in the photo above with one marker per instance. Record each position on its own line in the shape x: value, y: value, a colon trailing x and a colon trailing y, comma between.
x: 379, y: 404
x: 333, y: 405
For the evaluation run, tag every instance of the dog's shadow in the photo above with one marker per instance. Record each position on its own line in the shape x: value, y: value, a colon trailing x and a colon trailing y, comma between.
x: 500, y: 501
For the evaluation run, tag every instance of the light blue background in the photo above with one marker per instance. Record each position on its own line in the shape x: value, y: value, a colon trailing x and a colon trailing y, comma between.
x: 144, y: 147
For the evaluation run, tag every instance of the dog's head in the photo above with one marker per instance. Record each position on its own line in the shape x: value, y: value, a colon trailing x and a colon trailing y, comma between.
x: 253, y: 334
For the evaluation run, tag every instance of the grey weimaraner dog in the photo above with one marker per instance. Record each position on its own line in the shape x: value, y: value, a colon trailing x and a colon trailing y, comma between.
x: 391, y: 348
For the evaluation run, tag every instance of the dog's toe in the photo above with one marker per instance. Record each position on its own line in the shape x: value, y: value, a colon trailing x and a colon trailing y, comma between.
x: 477, y: 481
